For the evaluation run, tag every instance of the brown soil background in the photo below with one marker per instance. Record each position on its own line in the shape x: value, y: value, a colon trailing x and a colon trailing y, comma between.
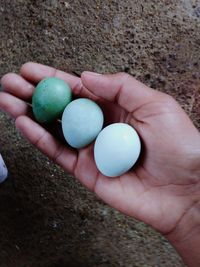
x: 47, y: 218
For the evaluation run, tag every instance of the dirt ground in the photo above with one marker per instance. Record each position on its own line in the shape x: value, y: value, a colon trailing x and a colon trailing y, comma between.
x: 47, y: 218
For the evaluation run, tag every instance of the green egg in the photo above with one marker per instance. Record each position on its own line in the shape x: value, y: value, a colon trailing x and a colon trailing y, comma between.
x: 50, y: 98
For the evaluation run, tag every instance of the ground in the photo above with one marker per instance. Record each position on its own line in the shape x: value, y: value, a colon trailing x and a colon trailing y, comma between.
x: 47, y: 218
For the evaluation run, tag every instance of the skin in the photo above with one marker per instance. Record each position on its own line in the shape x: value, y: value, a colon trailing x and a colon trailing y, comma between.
x: 163, y: 190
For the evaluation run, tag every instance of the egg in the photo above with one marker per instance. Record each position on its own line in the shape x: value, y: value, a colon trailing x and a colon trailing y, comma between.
x: 116, y: 150
x: 82, y: 121
x: 3, y: 170
x: 50, y: 98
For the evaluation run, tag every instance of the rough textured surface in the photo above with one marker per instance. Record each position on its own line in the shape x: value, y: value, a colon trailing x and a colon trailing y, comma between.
x: 47, y: 219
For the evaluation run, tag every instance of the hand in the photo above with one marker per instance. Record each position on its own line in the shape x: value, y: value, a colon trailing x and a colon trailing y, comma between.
x: 165, y: 185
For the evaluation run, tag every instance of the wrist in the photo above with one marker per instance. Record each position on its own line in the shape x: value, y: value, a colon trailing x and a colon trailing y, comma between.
x: 185, y: 237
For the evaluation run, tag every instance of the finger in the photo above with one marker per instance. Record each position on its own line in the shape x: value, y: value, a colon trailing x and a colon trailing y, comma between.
x: 35, y: 72
x: 14, y: 106
x: 121, y: 88
x: 17, y: 86
x: 46, y: 143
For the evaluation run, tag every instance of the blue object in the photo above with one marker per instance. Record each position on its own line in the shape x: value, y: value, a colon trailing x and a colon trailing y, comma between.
x: 82, y: 121
x: 3, y: 170
x: 117, y: 149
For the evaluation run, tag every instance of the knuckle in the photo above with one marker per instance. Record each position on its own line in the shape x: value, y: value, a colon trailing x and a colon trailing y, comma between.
x: 58, y: 153
x: 167, y: 98
x: 169, y: 102
x: 123, y: 75
x: 41, y: 140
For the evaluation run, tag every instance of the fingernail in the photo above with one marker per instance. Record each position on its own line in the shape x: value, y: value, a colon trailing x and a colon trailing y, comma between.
x: 90, y: 73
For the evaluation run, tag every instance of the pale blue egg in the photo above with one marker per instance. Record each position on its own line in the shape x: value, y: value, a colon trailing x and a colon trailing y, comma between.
x: 82, y: 121
x: 116, y: 149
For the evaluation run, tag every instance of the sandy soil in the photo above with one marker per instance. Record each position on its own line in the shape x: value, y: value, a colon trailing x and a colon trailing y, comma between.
x: 48, y: 219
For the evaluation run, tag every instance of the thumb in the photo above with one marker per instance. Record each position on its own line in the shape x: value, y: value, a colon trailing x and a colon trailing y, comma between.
x: 120, y: 88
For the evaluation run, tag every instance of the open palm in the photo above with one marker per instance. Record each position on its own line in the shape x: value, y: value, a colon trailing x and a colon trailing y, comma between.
x: 165, y: 183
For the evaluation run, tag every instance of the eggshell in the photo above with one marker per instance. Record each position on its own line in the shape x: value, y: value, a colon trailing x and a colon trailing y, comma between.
x: 116, y: 149
x: 50, y: 98
x: 3, y: 170
x: 82, y: 121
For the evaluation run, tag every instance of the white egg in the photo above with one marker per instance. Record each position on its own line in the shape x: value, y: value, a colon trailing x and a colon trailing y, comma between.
x: 3, y: 170
x: 116, y: 150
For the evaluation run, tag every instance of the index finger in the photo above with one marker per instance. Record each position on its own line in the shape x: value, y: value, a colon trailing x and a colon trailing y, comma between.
x: 35, y: 72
